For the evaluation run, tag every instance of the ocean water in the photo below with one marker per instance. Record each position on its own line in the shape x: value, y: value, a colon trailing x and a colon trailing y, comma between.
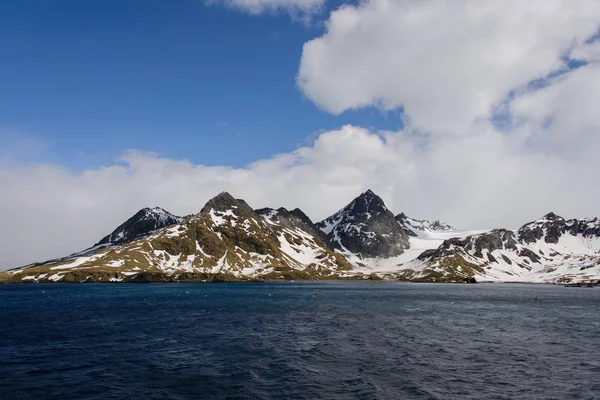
x: 330, y: 340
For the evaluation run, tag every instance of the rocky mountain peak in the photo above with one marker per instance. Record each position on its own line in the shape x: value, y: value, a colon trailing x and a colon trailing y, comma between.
x: 369, y: 195
x: 367, y: 203
x: 144, y: 222
x: 413, y: 227
x: 224, y: 202
x: 220, y: 200
x: 552, y: 217
x: 298, y: 214
x: 365, y: 227
x: 438, y: 225
x: 159, y: 214
x: 586, y: 227
x: 295, y: 219
x: 552, y: 227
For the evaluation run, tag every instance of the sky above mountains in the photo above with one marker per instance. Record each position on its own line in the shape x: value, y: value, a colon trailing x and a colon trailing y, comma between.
x: 479, y: 113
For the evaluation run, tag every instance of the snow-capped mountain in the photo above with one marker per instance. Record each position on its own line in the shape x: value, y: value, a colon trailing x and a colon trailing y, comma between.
x: 365, y: 228
x: 141, y: 224
x: 226, y: 241
x: 550, y: 249
x: 416, y: 227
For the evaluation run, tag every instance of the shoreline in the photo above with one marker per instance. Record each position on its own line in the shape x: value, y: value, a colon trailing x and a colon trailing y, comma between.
x: 299, y: 281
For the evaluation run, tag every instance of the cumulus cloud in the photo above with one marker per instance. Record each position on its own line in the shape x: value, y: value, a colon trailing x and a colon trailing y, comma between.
x: 564, y: 110
x: 474, y: 181
x: 294, y: 7
x: 447, y: 63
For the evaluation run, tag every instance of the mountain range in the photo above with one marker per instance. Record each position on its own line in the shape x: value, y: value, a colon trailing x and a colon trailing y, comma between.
x: 230, y: 241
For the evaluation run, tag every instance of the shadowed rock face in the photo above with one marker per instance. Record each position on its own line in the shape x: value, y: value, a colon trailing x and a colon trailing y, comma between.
x: 365, y: 227
x: 403, y: 221
x: 224, y: 202
x: 551, y: 227
x: 143, y: 223
x: 497, y: 239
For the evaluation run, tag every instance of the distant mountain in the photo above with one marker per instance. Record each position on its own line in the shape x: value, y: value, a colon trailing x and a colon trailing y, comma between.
x: 365, y: 228
x: 415, y: 227
x: 226, y: 241
x: 550, y: 249
x: 229, y: 241
x: 141, y: 224
x: 552, y: 228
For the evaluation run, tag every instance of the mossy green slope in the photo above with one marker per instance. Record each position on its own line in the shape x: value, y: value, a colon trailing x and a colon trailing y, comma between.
x: 227, y: 241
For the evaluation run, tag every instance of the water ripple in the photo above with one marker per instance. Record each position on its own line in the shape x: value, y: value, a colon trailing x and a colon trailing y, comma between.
x: 302, y: 341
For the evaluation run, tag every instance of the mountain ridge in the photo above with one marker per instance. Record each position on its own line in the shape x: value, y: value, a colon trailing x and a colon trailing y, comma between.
x: 228, y: 240
x: 549, y: 249
x: 413, y: 227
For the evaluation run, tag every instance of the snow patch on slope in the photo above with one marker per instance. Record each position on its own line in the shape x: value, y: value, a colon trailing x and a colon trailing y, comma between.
x: 425, y: 241
x: 303, y: 253
x: 219, y: 217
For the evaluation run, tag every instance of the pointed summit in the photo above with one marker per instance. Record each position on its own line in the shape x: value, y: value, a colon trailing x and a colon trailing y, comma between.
x: 552, y: 216
x: 550, y: 228
x: 366, y: 228
x: 367, y: 203
x: 368, y: 193
x: 143, y: 223
x: 220, y: 199
x: 224, y: 202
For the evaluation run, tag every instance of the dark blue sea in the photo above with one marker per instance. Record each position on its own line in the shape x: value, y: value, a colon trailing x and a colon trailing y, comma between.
x: 331, y: 340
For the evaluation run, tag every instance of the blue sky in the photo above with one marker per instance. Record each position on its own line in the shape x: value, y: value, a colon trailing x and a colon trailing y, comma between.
x: 89, y: 79
x: 498, y: 99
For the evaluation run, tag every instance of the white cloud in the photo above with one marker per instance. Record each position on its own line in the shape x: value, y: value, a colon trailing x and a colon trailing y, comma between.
x: 565, y: 110
x: 590, y: 51
x: 446, y: 62
x: 294, y: 7
x: 475, y: 180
